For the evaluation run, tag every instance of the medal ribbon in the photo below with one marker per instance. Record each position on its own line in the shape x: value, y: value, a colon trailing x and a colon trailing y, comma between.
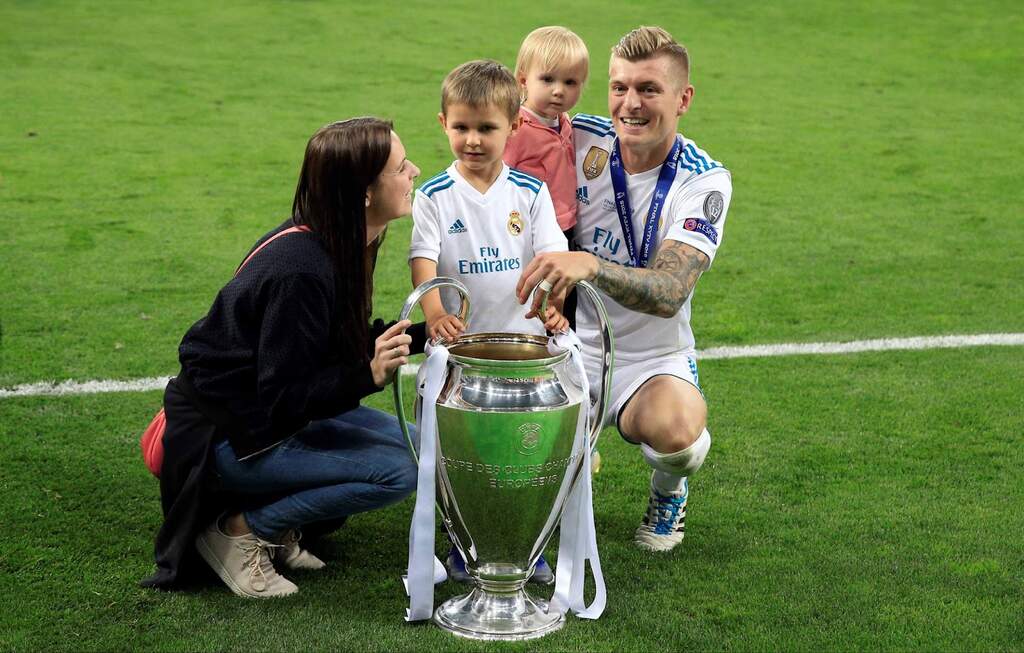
x: 625, y: 210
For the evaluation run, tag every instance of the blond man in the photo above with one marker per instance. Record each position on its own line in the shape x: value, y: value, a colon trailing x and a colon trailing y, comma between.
x: 652, y: 212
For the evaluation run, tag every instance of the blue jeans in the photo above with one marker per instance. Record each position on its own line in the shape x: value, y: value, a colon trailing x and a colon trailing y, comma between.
x: 355, y: 462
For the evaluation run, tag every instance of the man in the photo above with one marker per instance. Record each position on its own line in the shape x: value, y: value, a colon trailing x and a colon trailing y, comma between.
x: 652, y: 209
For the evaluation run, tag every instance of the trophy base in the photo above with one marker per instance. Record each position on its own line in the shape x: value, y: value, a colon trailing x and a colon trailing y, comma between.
x: 489, y: 616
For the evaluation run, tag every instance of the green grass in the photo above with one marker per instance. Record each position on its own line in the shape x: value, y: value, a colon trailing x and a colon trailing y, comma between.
x: 833, y: 514
x: 854, y: 502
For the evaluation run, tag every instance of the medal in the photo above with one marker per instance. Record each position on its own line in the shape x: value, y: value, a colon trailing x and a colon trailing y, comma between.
x: 639, y: 259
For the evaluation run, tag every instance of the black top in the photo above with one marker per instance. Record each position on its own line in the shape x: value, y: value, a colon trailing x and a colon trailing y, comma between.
x: 255, y: 370
x: 264, y: 351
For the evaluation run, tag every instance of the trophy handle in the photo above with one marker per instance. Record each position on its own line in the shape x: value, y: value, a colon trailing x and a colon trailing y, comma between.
x: 607, y: 360
x: 410, y: 303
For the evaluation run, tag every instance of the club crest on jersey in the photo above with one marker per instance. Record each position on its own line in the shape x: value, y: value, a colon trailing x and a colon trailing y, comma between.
x: 594, y: 162
x: 457, y: 227
x: 515, y: 223
x: 701, y: 227
x: 714, y: 204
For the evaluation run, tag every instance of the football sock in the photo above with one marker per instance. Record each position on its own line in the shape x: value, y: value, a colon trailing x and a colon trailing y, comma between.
x: 666, y: 484
x: 679, y: 463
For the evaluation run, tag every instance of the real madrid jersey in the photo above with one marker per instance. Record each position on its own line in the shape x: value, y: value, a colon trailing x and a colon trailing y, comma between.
x: 695, y: 210
x: 484, y: 240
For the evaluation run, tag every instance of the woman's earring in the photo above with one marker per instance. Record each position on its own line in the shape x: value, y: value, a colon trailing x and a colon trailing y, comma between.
x: 367, y: 201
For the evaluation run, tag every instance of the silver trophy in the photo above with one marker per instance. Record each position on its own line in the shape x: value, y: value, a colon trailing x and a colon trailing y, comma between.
x: 506, y: 463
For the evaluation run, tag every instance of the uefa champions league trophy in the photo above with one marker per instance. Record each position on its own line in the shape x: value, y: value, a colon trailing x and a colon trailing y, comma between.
x: 507, y: 458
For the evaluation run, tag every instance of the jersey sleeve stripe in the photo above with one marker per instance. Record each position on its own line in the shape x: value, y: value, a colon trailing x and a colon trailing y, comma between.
x: 689, y: 162
x: 596, y: 121
x: 700, y: 156
x: 429, y: 192
x: 523, y: 177
x: 429, y: 186
x: 696, y: 156
x: 523, y: 184
x: 592, y: 130
x: 438, y: 177
x: 433, y: 181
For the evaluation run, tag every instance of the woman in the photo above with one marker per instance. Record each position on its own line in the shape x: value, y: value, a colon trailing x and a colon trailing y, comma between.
x: 264, y: 429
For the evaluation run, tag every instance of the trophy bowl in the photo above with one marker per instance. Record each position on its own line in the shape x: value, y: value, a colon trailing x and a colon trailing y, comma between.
x: 508, y: 457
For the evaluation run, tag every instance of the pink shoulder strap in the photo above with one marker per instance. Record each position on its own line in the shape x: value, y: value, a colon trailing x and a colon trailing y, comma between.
x: 289, y: 230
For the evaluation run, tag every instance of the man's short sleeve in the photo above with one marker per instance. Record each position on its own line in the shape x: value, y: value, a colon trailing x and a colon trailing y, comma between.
x: 426, y: 229
x: 547, y: 235
x: 699, y: 211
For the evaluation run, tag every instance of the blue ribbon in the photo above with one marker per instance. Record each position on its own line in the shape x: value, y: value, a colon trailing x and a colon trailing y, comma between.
x: 625, y: 210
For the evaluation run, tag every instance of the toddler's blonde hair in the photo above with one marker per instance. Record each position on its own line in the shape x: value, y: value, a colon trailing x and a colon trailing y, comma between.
x: 549, y: 48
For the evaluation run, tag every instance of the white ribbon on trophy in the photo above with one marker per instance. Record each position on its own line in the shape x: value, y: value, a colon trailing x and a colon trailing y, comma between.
x: 577, y: 542
x: 424, y: 568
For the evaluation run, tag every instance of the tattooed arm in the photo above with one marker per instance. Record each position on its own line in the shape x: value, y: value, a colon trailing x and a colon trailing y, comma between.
x: 660, y: 290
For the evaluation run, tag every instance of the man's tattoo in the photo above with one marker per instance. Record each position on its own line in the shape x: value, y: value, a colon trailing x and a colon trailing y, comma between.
x: 659, y: 290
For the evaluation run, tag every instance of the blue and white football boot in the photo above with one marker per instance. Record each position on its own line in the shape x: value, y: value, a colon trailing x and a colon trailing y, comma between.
x: 664, y: 525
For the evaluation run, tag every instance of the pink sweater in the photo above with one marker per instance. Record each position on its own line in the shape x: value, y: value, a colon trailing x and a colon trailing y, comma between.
x: 549, y: 155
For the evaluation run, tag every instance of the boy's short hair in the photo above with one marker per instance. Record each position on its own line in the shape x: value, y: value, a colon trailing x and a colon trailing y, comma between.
x: 648, y: 42
x: 550, y: 48
x: 480, y: 83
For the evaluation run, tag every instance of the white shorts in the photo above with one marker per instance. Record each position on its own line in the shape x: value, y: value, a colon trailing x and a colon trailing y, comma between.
x: 628, y: 377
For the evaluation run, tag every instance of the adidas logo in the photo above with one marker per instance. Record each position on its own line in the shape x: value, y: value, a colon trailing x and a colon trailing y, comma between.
x: 581, y: 195
x: 457, y: 227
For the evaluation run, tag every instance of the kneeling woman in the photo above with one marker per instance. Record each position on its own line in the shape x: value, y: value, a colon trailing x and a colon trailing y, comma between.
x: 265, y: 433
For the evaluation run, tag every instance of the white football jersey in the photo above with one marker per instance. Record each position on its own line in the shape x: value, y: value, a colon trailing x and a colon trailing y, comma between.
x: 485, y: 240
x: 695, y: 211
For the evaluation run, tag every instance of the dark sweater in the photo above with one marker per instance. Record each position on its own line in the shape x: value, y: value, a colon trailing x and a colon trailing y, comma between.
x: 264, y: 351
x: 255, y: 370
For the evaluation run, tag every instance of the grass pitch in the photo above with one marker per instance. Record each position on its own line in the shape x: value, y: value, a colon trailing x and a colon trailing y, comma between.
x: 851, y: 502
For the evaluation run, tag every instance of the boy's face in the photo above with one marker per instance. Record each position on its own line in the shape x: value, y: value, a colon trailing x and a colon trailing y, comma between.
x: 477, y: 136
x: 550, y: 93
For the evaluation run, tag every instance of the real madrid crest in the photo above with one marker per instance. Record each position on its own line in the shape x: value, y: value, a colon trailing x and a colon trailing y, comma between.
x: 515, y: 223
x: 594, y: 162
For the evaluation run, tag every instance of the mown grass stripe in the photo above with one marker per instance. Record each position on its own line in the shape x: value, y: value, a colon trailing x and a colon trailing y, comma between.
x: 54, y: 388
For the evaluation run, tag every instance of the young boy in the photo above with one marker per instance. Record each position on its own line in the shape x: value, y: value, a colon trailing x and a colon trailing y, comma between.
x: 481, y: 221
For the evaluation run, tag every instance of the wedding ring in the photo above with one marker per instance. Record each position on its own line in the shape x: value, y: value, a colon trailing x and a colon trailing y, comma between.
x: 544, y: 285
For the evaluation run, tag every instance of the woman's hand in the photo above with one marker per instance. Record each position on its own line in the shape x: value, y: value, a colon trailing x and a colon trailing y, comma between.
x: 445, y: 326
x: 390, y: 351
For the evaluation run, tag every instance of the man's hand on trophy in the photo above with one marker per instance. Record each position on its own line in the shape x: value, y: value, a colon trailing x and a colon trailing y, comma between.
x: 390, y: 351
x: 445, y: 327
x: 555, y: 272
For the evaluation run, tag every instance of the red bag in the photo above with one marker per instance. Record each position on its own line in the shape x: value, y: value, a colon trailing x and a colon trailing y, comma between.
x: 152, y: 443
x: 152, y: 440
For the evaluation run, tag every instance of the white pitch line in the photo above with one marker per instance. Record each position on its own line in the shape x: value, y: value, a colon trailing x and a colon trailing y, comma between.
x: 857, y: 346
x: 63, y: 388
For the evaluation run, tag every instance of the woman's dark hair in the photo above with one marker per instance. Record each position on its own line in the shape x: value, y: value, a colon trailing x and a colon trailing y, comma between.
x: 342, y: 161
